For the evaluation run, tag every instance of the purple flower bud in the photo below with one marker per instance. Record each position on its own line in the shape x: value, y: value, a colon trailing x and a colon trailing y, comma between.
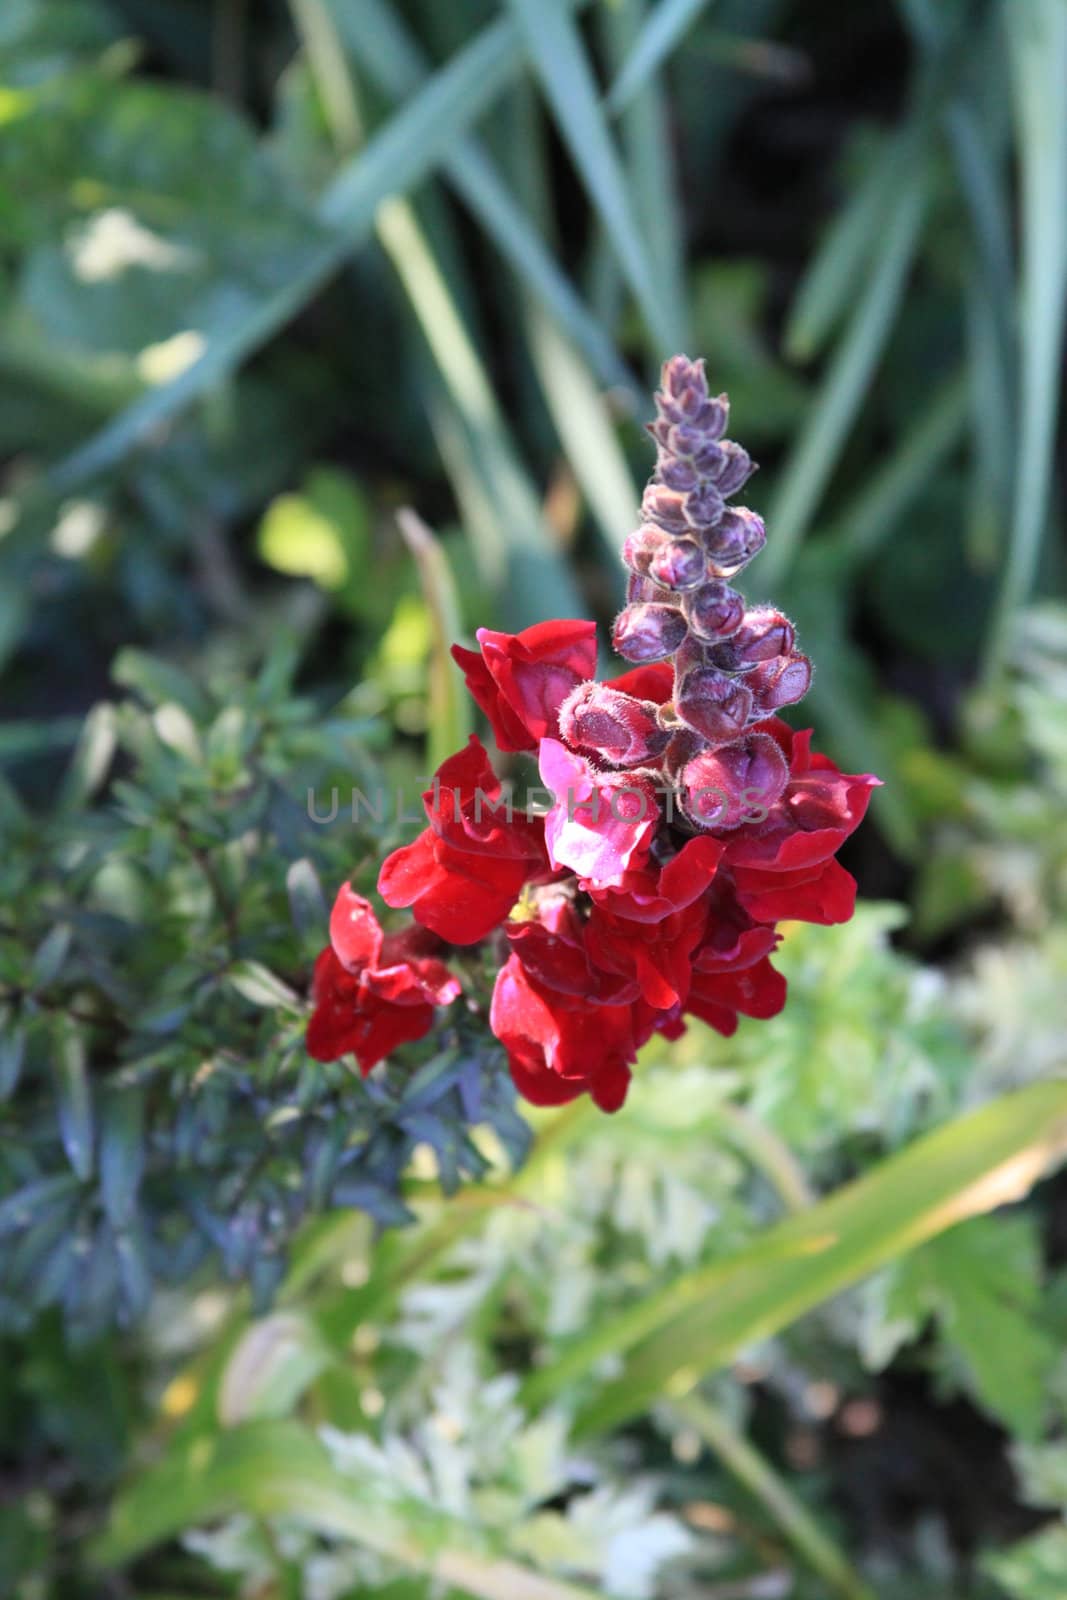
x: 764, y: 634
x: 678, y: 564
x: 602, y: 721
x: 735, y: 468
x: 640, y: 589
x: 736, y: 538
x: 677, y: 474
x: 642, y: 545
x: 778, y: 683
x: 714, y: 416
x: 664, y: 506
x: 703, y: 506
x: 692, y: 444
x: 714, y: 611
x: 713, y: 705
x: 738, y: 783
x: 648, y: 632
x: 679, y: 374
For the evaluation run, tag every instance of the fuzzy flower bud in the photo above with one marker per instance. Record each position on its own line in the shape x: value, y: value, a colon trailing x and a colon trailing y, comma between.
x: 713, y: 704
x: 703, y: 507
x: 603, y: 722
x: 714, y: 611
x: 640, y: 590
x: 764, y: 634
x: 736, y: 467
x: 736, y: 538
x: 665, y: 507
x: 647, y: 631
x: 778, y: 683
x: 642, y: 545
x: 740, y: 783
x: 678, y: 564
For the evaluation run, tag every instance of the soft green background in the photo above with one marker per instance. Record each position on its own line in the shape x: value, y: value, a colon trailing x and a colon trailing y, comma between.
x: 792, y: 1323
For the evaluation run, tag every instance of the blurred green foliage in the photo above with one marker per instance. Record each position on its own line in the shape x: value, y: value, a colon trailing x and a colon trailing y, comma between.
x: 271, y: 273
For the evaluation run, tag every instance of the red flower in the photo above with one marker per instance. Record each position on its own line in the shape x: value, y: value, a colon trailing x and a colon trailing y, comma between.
x: 601, y: 824
x: 520, y: 680
x: 372, y: 991
x: 560, y: 1046
x: 755, y: 991
x: 656, y: 955
x: 652, y: 892
x: 628, y: 914
x: 784, y: 868
x: 463, y: 874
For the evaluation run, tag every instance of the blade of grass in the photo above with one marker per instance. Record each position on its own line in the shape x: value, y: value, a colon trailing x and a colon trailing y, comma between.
x: 450, y: 720
x: 829, y: 284
x: 280, y: 1469
x: 585, y: 428
x: 861, y: 529
x: 646, y: 143
x: 392, y: 59
x: 815, y: 453
x: 660, y: 33
x: 1037, y: 47
x: 555, y: 49
x: 749, y: 1467
x: 537, y: 581
x: 702, y: 1318
x: 515, y: 551
x: 409, y: 147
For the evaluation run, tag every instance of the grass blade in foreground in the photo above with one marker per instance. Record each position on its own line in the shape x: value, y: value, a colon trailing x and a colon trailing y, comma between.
x: 1037, y: 39
x: 659, y: 35
x: 268, y: 1469
x: 698, y: 1322
x: 816, y: 451
x: 800, y: 1527
x: 556, y: 50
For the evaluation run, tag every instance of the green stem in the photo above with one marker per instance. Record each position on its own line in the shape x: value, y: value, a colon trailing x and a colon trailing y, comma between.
x: 757, y: 1475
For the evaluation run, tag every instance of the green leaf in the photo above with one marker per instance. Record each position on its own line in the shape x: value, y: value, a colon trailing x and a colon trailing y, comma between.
x: 1037, y: 47
x: 450, y: 714
x: 834, y: 276
x: 1035, y: 1569
x: 558, y: 55
x: 122, y: 1151
x: 258, y: 984
x: 661, y: 33
x: 91, y: 760
x: 411, y: 145
x: 50, y: 955
x: 307, y: 903
x: 158, y: 681
x: 646, y: 135
x: 378, y: 40
x: 815, y: 453
x: 586, y: 431
x: 73, y: 1099
x: 322, y: 533
x: 279, y: 1469
x: 273, y: 1363
x: 694, y: 1325
x: 982, y: 1282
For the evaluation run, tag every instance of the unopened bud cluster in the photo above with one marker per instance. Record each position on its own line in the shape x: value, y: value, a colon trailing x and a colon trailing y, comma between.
x: 734, y: 665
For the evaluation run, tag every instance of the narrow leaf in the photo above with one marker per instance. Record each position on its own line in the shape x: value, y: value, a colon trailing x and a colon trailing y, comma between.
x: 1037, y: 44
x: 411, y: 145
x: 558, y: 55
x: 450, y: 720
x: 815, y: 454
x: 697, y: 1323
x: 73, y: 1100
x: 662, y: 32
